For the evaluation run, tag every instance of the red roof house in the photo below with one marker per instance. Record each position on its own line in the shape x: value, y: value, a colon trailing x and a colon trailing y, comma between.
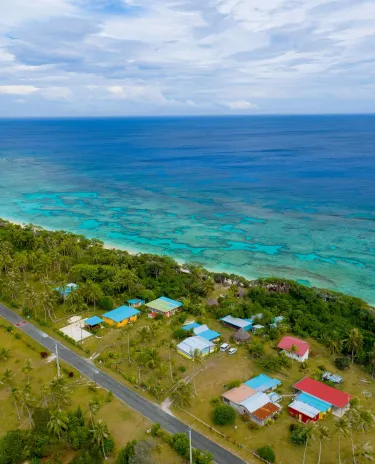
x: 339, y: 400
x: 302, y: 352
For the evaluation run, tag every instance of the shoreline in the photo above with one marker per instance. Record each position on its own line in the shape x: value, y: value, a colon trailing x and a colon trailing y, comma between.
x: 180, y: 262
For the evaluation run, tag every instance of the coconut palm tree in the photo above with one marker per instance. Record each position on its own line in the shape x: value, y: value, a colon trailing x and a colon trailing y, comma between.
x: 322, y: 434
x: 27, y: 369
x: 7, y: 378
x: 27, y: 401
x: 196, y: 357
x: 208, y: 286
x: 58, y: 422
x: 16, y: 399
x: 354, y: 342
x: 100, y: 434
x: 309, y: 433
x: 59, y: 392
x: 171, y: 347
x: 93, y: 408
x: 181, y: 394
x: 4, y: 354
x: 334, y: 346
x: 341, y: 427
x: 293, y: 350
x: 364, y: 453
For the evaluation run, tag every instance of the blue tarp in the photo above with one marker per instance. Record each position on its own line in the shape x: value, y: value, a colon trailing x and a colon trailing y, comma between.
x: 121, y: 313
x: 316, y: 403
x: 95, y: 320
x: 263, y: 383
x: 67, y: 289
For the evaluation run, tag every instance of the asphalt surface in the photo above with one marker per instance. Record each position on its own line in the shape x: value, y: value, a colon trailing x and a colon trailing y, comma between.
x: 149, y: 410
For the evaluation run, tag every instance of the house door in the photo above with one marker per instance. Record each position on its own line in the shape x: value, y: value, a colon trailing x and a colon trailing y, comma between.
x: 300, y: 417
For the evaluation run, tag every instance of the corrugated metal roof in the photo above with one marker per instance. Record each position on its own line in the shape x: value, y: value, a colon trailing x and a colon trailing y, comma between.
x: 191, y: 326
x: 164, y: 304
x: 201, y: 328
x: 135, y: 300
x: 316, y: 403
x: 287, y: 342
x: 238, y: 394
x: 255, y: 401
x: 194, y: 343
x: 262, y: 383
x: 237, y: 322
x: 121, y: 313
x: 94, y: 320
x: 268, y: 410
x: 209, y: 334
x: 304, y: 408
x: 323, y: 392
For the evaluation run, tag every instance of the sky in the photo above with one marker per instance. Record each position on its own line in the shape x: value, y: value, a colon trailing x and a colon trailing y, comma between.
x: 162, y: 57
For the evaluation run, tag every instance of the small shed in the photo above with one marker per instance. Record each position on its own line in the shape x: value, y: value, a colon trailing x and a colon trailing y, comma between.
x: 136, y: 302
x: 257, y: 327
x: 241, y: 336
x: 93, y: 322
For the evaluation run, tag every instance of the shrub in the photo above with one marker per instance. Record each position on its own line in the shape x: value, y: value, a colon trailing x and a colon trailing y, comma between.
x: 182, y: 368
x: 342, y: 363
x: 215, y: 401
x: 154, y: 429
x: 266, y: 453
x: 233, y: 384
x: 158, y: 317
x: 44, y: 354
x: 180, y: 333
x: 106, y: 303
x: 182, y: 318
x: 71, y: 374
x: 18, y: 336
x: 299, y: 434
x: 9, y: 328
x: 180, y: 443
x: 224, y: 415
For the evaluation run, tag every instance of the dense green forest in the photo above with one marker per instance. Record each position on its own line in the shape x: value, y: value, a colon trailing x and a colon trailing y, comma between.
x: 33, y: 262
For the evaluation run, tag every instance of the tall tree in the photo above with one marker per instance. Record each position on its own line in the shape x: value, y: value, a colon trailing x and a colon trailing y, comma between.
x: 196, y: 357
x: 364, y: 453
x: 100, y: 434
x: 182, y: 393
x: 354, y: 342
x: 58, y: 422
x: 322, y: 434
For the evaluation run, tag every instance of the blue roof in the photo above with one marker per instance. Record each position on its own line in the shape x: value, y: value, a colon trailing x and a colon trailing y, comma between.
x: 65, y: 290
x: 262, y: 383
x: 135, y: 300
x: 191, y: 326
x: 209, y: 335
x: 121, y: 313
x: 172, y: 303
x: 316, y: 403
x: 94, y: 320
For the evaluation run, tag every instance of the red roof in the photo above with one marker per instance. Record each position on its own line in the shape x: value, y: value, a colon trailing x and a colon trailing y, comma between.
x: 324, y: 392
x: 287, y: 343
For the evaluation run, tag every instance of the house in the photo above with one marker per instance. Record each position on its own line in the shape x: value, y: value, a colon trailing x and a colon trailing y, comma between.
x: 93, y: 322
x: 328, y: 396
x: 164, y: 305
x: 257, y: 327
x: 237, y: 323
x: 303, y: 412
x: 136, y: 302
x: 295, y: 348
x: 202, y: 331
x: 259, y: 408
x: 276, y: 321
x: 190, y: 344
x: 236, y: 395
x: 121, y: 316
x: 65, y: 290
x: 263, y: 383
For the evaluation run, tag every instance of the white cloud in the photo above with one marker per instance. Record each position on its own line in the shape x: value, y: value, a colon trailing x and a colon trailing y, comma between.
x: 240, y: 105
x: 137, y: 93
x: 56, y: 93
x: 17, y: 89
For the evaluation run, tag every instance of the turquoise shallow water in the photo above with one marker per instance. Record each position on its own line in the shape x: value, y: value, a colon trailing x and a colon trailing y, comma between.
x: 292, y: 197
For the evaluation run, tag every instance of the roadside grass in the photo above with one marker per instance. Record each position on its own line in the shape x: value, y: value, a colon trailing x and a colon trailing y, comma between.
x: 124, y: 423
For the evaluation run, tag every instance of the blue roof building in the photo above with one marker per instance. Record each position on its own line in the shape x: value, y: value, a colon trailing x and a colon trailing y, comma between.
x: 192, y: 326
x: 93, y: 321
x: 121, y: 316
x: 316, y: 403
x: 202, y: 330
x: 209, y: 335
x: 135, y: 302
x: 237, y: 323
x: 263, y: 383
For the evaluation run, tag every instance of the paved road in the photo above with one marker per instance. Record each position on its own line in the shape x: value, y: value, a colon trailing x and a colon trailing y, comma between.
x: 132, y: 399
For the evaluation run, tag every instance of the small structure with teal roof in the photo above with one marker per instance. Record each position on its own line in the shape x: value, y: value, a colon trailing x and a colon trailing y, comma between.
x: 93, y: 321
x: 263, y: 383
x: 65, y: 290
x: 136, y: 302
x: 121, y: 316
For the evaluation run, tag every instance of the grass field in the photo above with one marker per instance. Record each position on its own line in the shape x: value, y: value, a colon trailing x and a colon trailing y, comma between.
x: 123, y: 423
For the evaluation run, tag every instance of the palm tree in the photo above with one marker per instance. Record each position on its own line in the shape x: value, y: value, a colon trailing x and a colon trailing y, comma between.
x: 309, y: 433
x: 293, y: 350
x: 208, y: 286
x: 4, y: 354
x: 196, y: 357
x: 182, y: 393
x: 58, y: 422
x: 100, y: 434
x: 354, y: 342
x: 322, y: 434
x: 44, y: 393
x: 27, y: 369
x: 364, y: 453
x: 59, y: 391
x: 334, y: 346
x: 153, y: 358
x: 7, y: 378
x: 341, y: 426
x: 93, y: 408
x: 16, y: 398
x: 27, y: 400
x: 171, y: 346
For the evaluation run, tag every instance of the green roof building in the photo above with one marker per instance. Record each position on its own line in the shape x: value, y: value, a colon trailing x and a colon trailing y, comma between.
x: 164, y: 305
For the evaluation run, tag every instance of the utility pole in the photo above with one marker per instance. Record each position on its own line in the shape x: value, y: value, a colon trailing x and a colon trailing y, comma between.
x: 57, y: 360
x: 190, y: 447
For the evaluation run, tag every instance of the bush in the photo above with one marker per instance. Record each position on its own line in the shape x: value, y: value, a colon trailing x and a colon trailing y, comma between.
x: 106, y: 303
x: 266, y: 453
x: 299, y: 434
x: 180, y: 333
x: 9, y: 328
x: 18, y: 336
x: 180, y: 443
x: 224, y: 415
x: 44, y: 354
x: 71, y: 374
x: 342, y: 363
x: 182, y: 368
x: 233, y: 384
x: 215, y: 401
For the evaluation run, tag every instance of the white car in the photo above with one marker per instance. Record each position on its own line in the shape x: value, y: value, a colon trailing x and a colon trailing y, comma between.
x: 232, y: 351
x: 224, y: 347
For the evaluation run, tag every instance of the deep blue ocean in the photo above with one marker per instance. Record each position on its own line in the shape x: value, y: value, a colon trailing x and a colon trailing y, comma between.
x: 286, y: 196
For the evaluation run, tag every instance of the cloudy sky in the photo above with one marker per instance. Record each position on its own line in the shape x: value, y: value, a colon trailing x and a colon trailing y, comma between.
x: 125, y: 57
